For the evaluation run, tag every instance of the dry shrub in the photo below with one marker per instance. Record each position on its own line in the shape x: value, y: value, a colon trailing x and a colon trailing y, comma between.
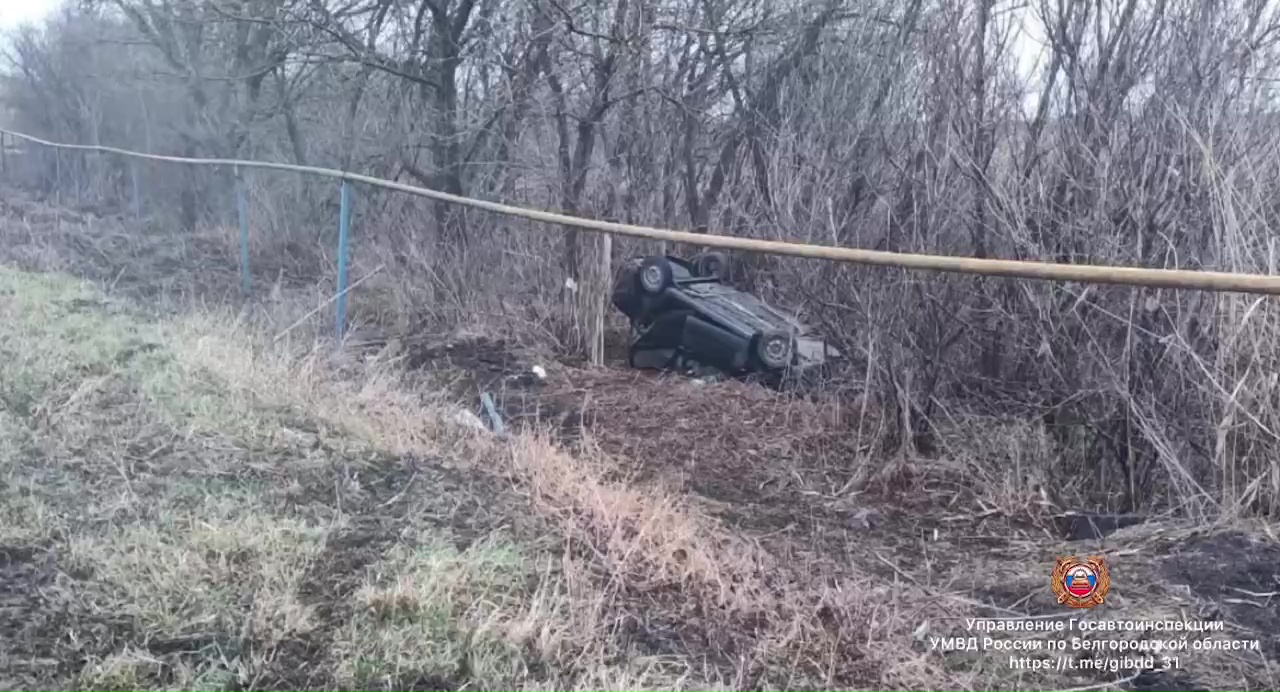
x: 913, y: 127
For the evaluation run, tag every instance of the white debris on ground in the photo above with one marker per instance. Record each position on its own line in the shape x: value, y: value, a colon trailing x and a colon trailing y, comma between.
x: 814, y: 351
x: 467, y: 419
x: 535, y: 375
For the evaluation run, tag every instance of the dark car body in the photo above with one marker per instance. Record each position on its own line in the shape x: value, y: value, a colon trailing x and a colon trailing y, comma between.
x: 692, y: 315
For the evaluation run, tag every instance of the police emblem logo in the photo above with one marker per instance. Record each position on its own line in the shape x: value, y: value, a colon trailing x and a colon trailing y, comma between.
x: 1081, y: 583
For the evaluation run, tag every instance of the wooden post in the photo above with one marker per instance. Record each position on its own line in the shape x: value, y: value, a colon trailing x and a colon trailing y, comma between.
x: 344, y: 224
x: 601, y: 298
x: 133, y: 187
x: 242, y: 214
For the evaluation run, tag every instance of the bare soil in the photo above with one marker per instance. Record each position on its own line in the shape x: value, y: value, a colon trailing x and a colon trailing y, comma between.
x: 1234, y: 574
x: 777, y: 468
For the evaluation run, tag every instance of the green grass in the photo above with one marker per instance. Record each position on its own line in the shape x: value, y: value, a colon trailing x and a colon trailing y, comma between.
x: 200, y: 528
x: 417, y: 614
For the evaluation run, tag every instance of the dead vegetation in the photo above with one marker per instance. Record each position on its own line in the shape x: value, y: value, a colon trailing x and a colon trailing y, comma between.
x: 190, y: 502
x: 1113, y: 132
x: 198, y: 490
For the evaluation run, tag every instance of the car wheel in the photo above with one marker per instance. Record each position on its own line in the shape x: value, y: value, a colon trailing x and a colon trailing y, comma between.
x: 655, y: 275
x: 775, y: 349
x: 712, y: 265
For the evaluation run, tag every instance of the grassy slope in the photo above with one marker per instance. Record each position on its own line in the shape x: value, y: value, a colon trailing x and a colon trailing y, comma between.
x: 185, y: 504
x: 186, y: 532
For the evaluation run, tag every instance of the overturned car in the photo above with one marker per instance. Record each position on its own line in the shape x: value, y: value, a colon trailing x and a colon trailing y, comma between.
x: 684, y: 315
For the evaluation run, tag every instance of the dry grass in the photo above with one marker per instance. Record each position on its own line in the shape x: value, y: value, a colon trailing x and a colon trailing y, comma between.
x: 189, y: 502
x: 644, y: 538
x: 189, y: 527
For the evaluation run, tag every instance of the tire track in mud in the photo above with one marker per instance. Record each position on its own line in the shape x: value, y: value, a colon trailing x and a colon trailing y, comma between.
x: 28, y: 620
x: 464, y: 506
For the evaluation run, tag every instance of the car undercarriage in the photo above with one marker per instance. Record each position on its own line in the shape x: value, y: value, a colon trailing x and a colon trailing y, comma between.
x: 686, y: 317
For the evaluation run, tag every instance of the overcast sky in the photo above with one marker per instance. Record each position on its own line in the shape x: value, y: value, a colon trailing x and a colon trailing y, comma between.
x: 15, y: 12
x: 1028, y: 43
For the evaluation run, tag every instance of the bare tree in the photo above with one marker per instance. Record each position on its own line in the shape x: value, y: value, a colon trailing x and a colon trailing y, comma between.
x: 1144, y: 136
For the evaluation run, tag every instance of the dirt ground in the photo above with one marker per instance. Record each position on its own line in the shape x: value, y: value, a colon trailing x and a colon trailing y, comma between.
x: 186, y: 502
x: 778, y: 469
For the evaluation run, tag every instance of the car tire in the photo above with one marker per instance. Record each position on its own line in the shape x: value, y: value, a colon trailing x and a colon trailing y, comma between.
x: 775, y: 350
x: 656, y: 275
x: 712, y: 265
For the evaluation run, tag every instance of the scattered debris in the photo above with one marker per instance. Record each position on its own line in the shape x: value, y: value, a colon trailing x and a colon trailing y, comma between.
x: 1080, y: 526
x: 467, y: 419
x: 491, y: 410
x: 867, y: 518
